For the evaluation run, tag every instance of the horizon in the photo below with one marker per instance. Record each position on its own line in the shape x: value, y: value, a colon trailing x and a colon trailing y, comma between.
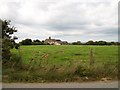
x: 67, y: 41
x: 73, y: 20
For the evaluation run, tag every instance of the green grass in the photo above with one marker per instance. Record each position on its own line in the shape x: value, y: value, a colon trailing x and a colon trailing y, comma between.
x: 49, y: 63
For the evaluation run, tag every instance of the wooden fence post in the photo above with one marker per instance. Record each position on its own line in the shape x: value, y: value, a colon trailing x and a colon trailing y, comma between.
x: 91, y: 56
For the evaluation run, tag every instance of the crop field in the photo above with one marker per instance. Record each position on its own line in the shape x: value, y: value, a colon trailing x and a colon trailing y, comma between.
x: 62, y: 63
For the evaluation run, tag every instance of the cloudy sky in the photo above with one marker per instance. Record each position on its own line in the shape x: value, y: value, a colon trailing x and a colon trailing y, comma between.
x: 70, y: 20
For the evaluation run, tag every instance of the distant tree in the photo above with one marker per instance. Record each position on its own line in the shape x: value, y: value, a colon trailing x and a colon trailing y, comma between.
x: 8, y: 42
x: 34, y: 42
x: 108, y: 43
x: 37, y: 42
x: 26, y: 42
x: 96, y: 43
x: 90, y: 42
x: 79, y: 42
x: 76, y: 43
x: 115, y: 43
x: 102, y: 43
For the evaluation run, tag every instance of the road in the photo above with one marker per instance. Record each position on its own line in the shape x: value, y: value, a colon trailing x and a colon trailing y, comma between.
x: 98, y: 84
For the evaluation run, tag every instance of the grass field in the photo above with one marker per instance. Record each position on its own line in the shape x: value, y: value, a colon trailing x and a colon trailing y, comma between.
x: 51, y: 63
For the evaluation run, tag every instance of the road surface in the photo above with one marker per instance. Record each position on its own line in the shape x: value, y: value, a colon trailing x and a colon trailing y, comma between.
x: 98, y: 84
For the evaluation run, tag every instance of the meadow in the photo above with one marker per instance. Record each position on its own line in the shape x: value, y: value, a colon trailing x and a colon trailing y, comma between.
x: 62, y: 63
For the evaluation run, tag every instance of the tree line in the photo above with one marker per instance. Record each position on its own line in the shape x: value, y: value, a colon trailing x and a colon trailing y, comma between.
x: 95, y: 43
x: 38, y: 42
x: 30, y: 42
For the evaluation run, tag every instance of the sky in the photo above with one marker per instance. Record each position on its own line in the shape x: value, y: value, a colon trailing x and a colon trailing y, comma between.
x: 68, y: 20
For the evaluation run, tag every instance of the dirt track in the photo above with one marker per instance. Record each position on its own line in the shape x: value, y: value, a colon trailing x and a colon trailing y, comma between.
x: 99, y: 84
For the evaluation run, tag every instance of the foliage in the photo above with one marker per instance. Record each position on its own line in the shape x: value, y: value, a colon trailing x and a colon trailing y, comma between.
x: 77, y: 43
x: 90, y: 43
x: 34, y: 42
x: 101, y: 43
x: 26, y: 42
x: 8, y: 40
x: 95, y: 43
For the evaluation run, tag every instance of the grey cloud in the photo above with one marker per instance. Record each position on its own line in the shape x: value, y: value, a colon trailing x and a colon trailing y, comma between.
x: 12, y: 8
x: 64, y: 16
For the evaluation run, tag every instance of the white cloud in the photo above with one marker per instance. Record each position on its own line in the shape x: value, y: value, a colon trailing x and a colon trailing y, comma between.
x: 65, y: 19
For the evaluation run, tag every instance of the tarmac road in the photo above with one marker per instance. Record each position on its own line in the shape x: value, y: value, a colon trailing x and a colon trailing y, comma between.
x: 98, y: 84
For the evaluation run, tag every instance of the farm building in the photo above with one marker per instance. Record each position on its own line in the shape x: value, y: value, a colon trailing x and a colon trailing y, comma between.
x: 55, y: 41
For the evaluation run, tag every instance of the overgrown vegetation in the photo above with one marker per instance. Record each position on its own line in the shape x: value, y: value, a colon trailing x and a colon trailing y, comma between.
x: 65, y: 63
x: 8, y: 43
